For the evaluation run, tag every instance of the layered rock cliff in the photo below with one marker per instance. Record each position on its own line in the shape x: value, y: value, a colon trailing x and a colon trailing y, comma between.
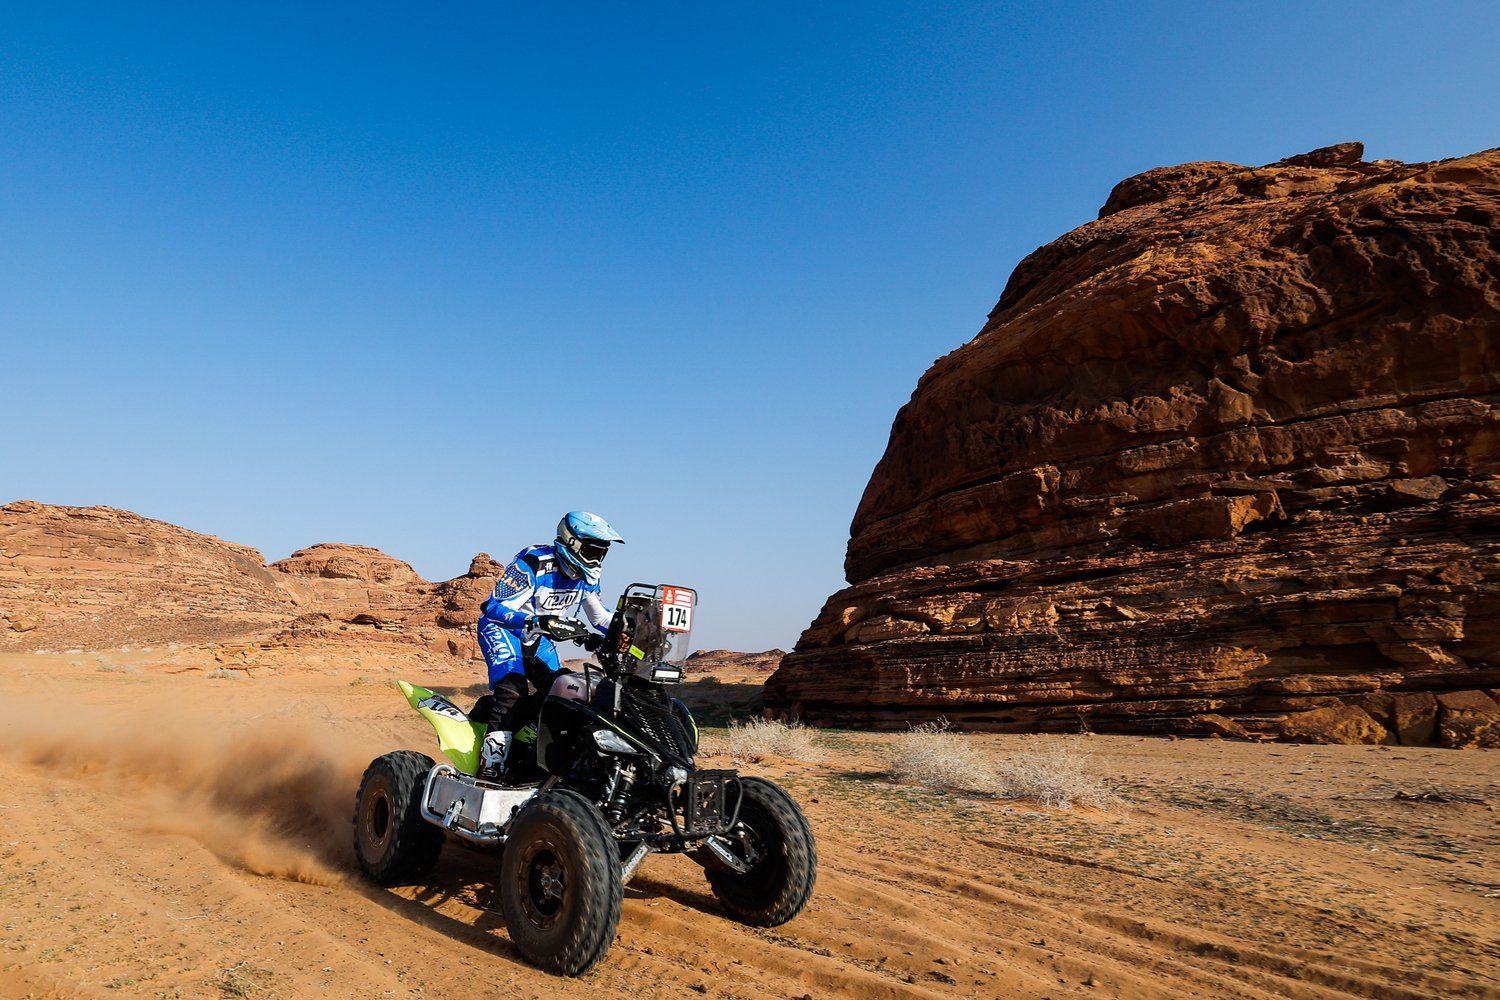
x: 1225, y: 460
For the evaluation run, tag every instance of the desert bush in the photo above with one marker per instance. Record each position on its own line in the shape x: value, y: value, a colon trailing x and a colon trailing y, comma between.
x: 224, y: 674
x: 1054, y: 777
x: 117, y: 668
x: 758, y: 739
x: 933, y: 755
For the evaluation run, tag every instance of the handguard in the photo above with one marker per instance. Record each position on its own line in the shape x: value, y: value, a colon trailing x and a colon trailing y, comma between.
x: 562, y: 629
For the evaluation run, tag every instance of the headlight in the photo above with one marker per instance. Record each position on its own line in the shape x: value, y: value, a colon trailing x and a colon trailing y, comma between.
x: 610, y: 742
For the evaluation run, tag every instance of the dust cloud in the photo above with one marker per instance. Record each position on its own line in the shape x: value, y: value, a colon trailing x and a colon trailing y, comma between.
x: 275, y: 801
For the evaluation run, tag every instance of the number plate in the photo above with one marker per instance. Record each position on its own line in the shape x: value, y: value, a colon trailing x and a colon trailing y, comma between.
x: 677, y: 609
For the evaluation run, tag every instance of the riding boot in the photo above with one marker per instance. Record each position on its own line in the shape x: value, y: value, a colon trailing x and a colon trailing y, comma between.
x: 504, y: 696
x: 492, y: 754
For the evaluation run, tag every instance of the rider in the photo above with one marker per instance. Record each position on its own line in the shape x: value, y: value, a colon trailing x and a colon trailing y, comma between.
x: 541, y: 588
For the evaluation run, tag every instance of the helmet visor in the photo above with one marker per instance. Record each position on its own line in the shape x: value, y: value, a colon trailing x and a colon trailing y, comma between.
x: 592, y: 551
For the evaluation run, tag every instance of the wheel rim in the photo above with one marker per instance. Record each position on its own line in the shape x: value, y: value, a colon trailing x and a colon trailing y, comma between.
x: 542, y: 885
x: 377, y: 824
x: 747, y: 845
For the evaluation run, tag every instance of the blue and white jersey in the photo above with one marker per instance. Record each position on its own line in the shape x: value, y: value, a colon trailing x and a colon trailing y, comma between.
x: 535, y: 584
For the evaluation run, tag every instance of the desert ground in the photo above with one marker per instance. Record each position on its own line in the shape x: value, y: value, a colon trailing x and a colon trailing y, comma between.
x: 185, y: 835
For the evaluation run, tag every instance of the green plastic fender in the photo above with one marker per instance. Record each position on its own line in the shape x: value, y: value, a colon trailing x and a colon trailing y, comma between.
x: 459, y: 739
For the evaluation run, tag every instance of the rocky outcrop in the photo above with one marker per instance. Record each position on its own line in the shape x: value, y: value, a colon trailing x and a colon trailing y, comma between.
x: 709, y: 661
x: 1227, y: 457
x: 454, y: 606
x: 348, y: 562
x: 96, y: 577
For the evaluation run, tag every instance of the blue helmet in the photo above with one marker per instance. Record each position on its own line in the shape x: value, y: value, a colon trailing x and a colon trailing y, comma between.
x: 582, y: 542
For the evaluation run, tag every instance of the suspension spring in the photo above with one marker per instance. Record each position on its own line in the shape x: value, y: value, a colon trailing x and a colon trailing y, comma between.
x: 616, y: 808
x: 609, y: 782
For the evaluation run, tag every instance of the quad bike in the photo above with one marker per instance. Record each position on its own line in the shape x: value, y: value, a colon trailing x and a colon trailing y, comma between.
x: 602, y: 778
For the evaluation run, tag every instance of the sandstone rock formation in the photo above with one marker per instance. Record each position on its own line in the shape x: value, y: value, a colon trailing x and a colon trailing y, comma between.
x: 347, y: 562
x: 709, y: 661
x: 96, y: 577
x: 1226, y: 460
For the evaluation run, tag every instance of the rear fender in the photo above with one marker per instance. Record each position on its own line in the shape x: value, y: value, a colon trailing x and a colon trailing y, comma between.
x: 458, y: 738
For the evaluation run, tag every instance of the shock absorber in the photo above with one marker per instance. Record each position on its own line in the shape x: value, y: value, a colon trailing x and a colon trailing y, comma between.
x: 621, y: 792
x: 609, y: 782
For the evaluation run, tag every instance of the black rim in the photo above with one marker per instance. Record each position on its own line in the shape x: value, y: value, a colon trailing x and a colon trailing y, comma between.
x: 747, y: 845
x: 543, y: 885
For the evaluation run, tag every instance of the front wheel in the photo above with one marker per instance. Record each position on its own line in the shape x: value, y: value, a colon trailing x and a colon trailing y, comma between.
x: 560, y: 884
x: 394, y: 844
x: 773, y: 840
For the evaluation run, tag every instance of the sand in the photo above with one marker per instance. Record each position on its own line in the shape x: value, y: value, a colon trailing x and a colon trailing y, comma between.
x: 186, y: 836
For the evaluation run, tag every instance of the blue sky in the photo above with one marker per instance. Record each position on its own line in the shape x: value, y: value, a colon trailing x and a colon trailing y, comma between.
x: 425, y: 276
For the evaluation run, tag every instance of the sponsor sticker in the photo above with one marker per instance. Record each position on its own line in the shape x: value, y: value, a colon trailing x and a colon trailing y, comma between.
x: 560, y: 600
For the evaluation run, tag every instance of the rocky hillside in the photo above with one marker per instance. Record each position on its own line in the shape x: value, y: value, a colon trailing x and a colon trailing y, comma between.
x: 1225, y: 460
x: 96, y: 577
x: 733, y: 661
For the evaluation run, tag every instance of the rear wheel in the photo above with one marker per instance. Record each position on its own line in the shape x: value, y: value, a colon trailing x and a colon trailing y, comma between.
x: 560, y: 884
x: 772, y: 839
x: 394, y: 844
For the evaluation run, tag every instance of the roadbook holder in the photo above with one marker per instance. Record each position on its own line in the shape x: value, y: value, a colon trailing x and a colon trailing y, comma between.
x: 652, y: 630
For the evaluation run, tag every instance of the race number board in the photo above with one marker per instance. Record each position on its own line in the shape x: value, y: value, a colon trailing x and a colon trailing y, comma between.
x: 677, y: 609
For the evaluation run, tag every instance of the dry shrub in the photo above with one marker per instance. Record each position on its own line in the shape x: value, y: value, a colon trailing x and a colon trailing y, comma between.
x: 754, y: 741
x: 224, y: 674
x: 932, y: 754
x: 107, y: 667
x: 1055, y: 777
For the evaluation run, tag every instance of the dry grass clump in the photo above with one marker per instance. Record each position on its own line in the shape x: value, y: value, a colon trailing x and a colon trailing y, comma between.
x: 1055, y: 777
x: 754, y: 741
x: 107, y: 667
x: 242, y: 980
x: 224, y: 674
x: 932, y: 754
